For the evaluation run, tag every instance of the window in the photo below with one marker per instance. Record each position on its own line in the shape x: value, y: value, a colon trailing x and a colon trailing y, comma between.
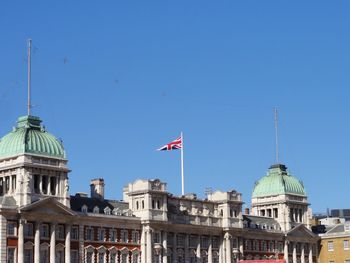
x: 180, y: 240
x: 107, y: 210
x: 74, y: 256
x: 60, y: 232
x: 89, y: 257
x: 156, y: 237
x: 28, y: 230
x: 11, y: 255
x: 11, y: 228
x: 96, y: 210
x: 101, y: 234
x: 44, y: 255
x: 44, y: 231
x: 75, y: 233
x: 101, y: 257
x: 347, y: 261
x: 84, y: 209
x: 204, y: 242
x: 135, y: 258
x: 112, y: 235
x: 215, y: 242
x: 124, y: 236
x: 36, y: 183
x: 89, y: 234
x: 135, y: 236
x: 124, y: 258
x: 59, y: 256
x: 346, y: 244
x: 28, y: 255
x: 330, y: 246
x: 113, y: 258
x: 137, y: 205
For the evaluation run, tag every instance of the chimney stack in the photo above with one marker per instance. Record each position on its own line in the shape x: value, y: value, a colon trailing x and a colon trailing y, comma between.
x: 246, y: 211
x: 97, y: 187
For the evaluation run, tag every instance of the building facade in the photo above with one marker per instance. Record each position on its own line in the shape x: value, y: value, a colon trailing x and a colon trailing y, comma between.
x: 335, y: 246
x: 40, y: 222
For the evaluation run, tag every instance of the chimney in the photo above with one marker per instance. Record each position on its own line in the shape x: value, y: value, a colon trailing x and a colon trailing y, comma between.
x: 97, y: 187
x: 246, y: 211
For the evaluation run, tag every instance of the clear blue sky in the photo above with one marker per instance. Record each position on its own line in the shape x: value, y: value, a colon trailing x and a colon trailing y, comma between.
x: 118, y: 79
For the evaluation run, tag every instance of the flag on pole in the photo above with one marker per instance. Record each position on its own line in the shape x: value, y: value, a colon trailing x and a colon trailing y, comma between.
x: 174, y: 145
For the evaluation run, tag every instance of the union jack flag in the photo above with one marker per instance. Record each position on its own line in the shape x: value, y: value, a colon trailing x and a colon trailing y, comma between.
x: 174, y: 145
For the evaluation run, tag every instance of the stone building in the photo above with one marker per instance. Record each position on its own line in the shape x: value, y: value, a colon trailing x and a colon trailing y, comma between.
x: 40, y: 222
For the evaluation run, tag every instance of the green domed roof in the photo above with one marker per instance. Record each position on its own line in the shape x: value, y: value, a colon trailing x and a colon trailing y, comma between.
x: 278, y: 181
x: 30, y: 137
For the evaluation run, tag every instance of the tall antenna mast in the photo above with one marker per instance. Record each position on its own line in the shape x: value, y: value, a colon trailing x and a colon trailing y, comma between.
x: 29, y: 75
x: 276, y: 134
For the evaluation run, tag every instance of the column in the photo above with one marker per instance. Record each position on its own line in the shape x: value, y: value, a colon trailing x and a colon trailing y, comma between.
x: 81, y: 241
x: 286, y: 258
x: 148, y: 245
x: 20, y: 241
x: 53, y: 244
x: 37, y: 243
x: 241, y: 248
x: 40, y: 184
x: 302, y: 256
x: 165, y: 247
x: 294, y: 252
x: 143, y: 245
x: 198, y: 251
x: 210, y: 251
x: 228, y: 253
x: 310, y: 253
x: 67, y: 244
x: 49, y: 186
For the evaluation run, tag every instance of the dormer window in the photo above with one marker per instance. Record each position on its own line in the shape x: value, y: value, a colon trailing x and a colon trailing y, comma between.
x: 96, y: 210
x: 117, y: 212
x: 84, y: 209
x: 107, y: 210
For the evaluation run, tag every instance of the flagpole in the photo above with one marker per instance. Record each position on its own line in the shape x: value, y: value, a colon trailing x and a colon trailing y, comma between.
x: 182, y: 165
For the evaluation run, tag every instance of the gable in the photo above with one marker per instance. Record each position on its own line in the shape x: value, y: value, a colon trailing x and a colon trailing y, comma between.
x: 47, y: 207
x: 301, y: 231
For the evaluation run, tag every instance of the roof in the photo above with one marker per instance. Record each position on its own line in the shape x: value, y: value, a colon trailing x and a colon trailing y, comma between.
x: 77, y: 202
x: 30, y: 137
x: 261, y: 222
x: 278, y: 181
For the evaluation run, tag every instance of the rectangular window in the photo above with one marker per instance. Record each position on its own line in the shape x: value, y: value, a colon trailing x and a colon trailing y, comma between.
x: 75, y: 233
x: 89, y: 234
x: 44, y: 255
x: 347, y: 261
x: 180, y: 240
x: 124, y: 258
x: 60, y: 232
x: 124, y: 236
x: 204, y: 242
x: 135, y: 236
x: 330, y: 246
x: 193, y: 241
x: 101, y: 234
x: 44, y: 231
x: 89, y: 257
x: 28, y: 255
x: 74, y: 256
x: 156, y: 237
x: 346, y: 244
x: 59, y: 256
x: 112, y: 258
x: 28, y: 230
x: 215, y: 242
x: 11, y: 258
x: 11, y: 228
x: 112, y: 235
x: 101, y: 257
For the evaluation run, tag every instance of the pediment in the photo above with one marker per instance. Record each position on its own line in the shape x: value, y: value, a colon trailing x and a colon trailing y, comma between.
x: 48, y: 206
x: 301, y: 231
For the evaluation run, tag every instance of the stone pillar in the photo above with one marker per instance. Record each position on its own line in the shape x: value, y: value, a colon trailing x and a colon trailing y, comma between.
x: 198, y: 251
x: 221, y: 251
x: 310, y: 254
x: 21, y: 241
x: 3, y: 238
x: 81, y: 242
x: 241, y: 249
x: 210, y: 251
x: 49, y: 186
x: 143, y: 245
x: 37, y: 243
x: 228, y: 254
x: 149, y: 247
x: 40, y: 184
x: 165, y: 247
x: 294, y: 252
x: 302, y: 256
x: 53, y: 244
x: 285, y: 256
x: 67, y: 244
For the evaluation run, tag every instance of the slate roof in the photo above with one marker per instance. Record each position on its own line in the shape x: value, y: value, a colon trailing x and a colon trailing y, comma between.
x: 76, y: 203
x: 260, y: 222
x: 7, y: 201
